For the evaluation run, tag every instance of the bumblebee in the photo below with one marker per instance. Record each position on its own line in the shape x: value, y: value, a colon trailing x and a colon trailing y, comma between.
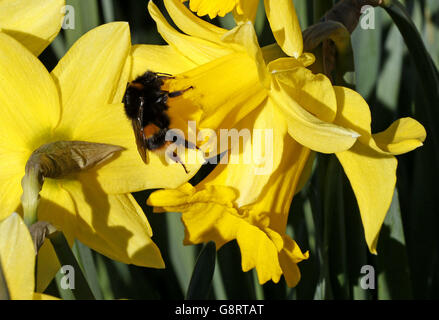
x: 146, y: 106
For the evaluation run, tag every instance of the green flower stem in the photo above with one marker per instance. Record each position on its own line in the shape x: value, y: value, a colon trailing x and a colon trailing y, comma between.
x: 31, y: 184
x: 65, y: 256
x: 428, y: 74
x: 201, y: 280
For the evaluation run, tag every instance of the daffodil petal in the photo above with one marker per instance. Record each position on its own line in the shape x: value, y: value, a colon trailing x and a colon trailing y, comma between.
x: 272, y: 52
x: 314, y: 92
x: 251, y: 163
x: 156, y: 58
x: 190, y: 24
x: 89, y: 74
x: 258, y: 251
x: 216, y: 224
x: 373, y: 177
x: 126, y: 172
x: 34, y: 23
x: 244, y: 38
x: 246, y: 10
x: 353, y: 112
x: 197, y: 50
x: 226, y: 89
x: 47, y: 266
x: 208, y: 215
x: 403, y: 136
x: 123, y: 80
x: 29, y: 104
x: 274, y: 200
x: 310, y: 131
x: 28, y: 98
x: 288, y: 259
x: 113, y: 224
x: 285, y: 26
x: 57, y: 207
x: 10, y: 187
x: 17, y: 255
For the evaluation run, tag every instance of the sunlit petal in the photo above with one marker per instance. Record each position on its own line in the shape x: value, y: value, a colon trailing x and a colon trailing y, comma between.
x: 28, y: 98
x: 158, y: 59
x: 314, y: 92
x: 285, y: 26
x: 403, y: 136
x: 34, y: 23
x: 373, y: 178
x: 89, y: 74
x: 246, y: 10
x: 114, y: 225
x: 310, y: 131
x: 195, y: 49
x: 17, y: 255
x: 235, y: 77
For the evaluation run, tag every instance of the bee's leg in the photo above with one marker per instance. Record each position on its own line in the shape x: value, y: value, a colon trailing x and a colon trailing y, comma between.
x: 190, y: 145
x: 178, y: 160
x: 178, y: 93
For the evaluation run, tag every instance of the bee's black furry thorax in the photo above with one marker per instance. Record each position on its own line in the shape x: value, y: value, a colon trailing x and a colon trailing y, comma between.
x: 144, y: 98
x: 146, y: 106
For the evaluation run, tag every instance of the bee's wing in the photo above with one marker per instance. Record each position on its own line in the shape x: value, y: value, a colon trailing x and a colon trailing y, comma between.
x: 140, y: 139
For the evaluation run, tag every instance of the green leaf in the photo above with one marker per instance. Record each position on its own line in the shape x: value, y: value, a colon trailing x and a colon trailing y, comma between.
x: 202, y: 275
x: 66, y: 257
x: 428, y: 74
x: 323, y: 288
x: 335, y: 237
x: 182, y: 258
x: 388, y: 84
x: 85, y: 258
x: 367, y: 57
x: 393, y: 276
x: 104, y: 277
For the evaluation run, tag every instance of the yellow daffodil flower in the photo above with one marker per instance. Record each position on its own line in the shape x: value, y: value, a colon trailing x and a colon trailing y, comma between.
x: 79, y: 101
x: 34, y: 23
x: 370, y: 164
x: 234, y: 88
x: 236, y: 79
x: 234, y: 203
x: 17, y: 260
